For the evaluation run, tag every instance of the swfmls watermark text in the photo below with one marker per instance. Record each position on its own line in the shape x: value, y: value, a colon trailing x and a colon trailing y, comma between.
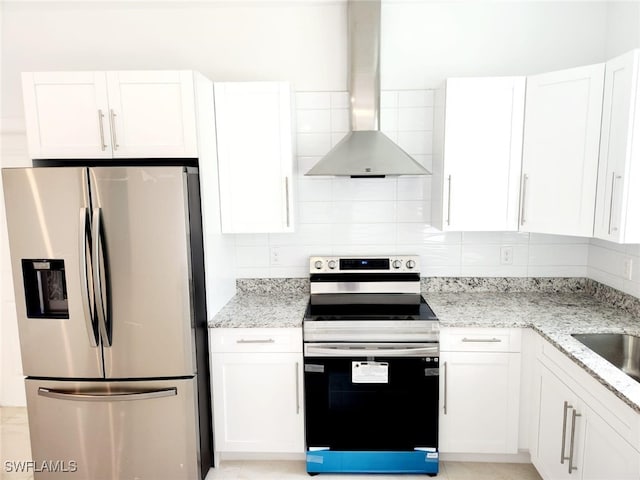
x: 31, y: 466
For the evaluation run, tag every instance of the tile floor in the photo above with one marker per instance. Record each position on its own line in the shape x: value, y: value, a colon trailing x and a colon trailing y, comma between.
x: 14, y: 446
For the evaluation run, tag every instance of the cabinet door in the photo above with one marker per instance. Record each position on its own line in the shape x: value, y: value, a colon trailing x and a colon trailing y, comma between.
x: 482, y: 153
x: 66, y: 115
x: 253, y: 127
x: 555, y: 416
x: 480, y: 402
x: 605, y: 453
x: 560, y: 151
x: 257, y: 400
x: 152, y: 114
x: 618, y: 202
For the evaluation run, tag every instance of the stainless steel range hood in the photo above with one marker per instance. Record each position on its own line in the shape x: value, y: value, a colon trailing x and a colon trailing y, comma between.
x: 365, y: 151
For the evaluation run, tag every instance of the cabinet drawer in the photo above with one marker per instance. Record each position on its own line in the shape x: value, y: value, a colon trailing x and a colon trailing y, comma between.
x: 480, y: 339
x: 256, y: 340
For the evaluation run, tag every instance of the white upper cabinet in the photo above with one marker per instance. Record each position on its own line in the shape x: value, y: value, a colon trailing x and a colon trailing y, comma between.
x: 560, y: 151
x: 131, y: 114
x: 152, y: 114
x: 66, y: 114
x: 618, y: 195
x: 477, y: 154
x: 255, y: 140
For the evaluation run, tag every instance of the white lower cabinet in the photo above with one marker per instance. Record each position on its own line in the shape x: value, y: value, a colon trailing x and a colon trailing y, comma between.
x: 257, y: 390
x: 572, y: 438
x: 480, y: 390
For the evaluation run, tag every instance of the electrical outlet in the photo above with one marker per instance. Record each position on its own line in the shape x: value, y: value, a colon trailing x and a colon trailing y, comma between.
x: 628, y: 268
x: 506, y: 256
x: 275, y: 256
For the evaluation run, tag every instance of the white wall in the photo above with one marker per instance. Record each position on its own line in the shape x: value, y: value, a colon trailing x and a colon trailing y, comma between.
x: 623, y: 27
x: 425, y: 42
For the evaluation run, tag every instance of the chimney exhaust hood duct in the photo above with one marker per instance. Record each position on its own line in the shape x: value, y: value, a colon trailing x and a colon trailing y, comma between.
x: 365, y: 151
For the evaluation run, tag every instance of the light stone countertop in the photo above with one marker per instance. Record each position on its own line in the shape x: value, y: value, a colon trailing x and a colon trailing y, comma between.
x: 554, y: 315
x: 262, y: 310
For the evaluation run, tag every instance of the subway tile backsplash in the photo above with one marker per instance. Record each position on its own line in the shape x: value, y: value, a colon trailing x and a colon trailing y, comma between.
x: 344, y: 216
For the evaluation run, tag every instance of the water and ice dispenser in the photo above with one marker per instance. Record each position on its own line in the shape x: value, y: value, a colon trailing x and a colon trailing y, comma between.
x: 45, y: 287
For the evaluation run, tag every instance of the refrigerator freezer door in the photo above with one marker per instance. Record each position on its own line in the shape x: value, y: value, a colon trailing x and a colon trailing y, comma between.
x: 141, y: 235
x: 144, y: 430
x: 47, y: 210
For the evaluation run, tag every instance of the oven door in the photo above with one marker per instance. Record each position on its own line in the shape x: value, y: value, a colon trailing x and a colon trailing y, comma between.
x: 371, y: 397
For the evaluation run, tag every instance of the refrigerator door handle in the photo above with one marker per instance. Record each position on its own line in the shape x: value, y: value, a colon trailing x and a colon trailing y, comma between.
x: 83, y: 238
x: 107, y: 397
x: 98, y: 254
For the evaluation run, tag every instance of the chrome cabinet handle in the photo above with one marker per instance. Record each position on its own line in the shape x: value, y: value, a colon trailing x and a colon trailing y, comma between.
x: 525, y: 179
x: 266, y: 340
x: 481, y: 340
x: 445, y: 389
x: 112, y: 123
x: 614, y: 177
x: 103, y: 145
x: 564, y: 432
x: 297, y: 388
x: 449, y: 202
x: 572, y: 445
x: 84, y: 277
x: 107, y: 397
x: 286, y: 192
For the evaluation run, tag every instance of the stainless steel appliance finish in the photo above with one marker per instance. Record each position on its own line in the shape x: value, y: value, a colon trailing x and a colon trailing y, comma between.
x: 131, y: 429
x: 372, y: 299
x: 118, y: 364
x: 365, y: 151
x: 371, y: 367
x: 620, y: 349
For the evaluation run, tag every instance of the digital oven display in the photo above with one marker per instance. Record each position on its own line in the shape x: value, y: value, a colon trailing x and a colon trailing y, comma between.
x: 364, y: 264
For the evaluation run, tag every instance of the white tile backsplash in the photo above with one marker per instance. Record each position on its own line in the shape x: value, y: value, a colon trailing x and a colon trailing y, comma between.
x: 344, y: 216
x: 313, y: 100
x: 313, y: 121
x: 313, y: 144
x: 340, y: 120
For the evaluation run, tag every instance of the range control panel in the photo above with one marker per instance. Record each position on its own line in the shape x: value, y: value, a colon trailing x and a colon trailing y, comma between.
x: 376, y: 264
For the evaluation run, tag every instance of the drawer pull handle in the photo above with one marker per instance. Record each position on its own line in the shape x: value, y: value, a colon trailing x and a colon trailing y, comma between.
x: 266, y: 340
x: 481, y: 340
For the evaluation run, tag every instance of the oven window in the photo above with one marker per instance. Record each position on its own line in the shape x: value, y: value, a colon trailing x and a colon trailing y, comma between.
x: 398, y: 415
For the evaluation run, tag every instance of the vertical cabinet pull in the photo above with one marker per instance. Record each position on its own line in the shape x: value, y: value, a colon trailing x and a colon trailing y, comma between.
x: 112, y: 123
x: 297, y: 388
x: 564, y: 432
x: 103, y: 145
x: 572, y: 443
x: 614, y: 177
x: 286, y: 199
x: 573, y: 436
x: 449, y: 201
x: 445, y: 389
x: 525, y: 178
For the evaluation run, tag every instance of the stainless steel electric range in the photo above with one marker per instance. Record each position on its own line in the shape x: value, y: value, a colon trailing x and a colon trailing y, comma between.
x: 371, y: 367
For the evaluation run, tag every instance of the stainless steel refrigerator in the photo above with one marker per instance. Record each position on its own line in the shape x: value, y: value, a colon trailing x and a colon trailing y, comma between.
x: 108, y: 273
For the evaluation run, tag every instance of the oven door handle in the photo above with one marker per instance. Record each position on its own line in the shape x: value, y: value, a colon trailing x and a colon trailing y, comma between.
x: 378, y: 350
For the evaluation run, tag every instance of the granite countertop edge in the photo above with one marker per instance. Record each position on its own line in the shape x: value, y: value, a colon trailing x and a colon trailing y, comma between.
x: 564, y: 313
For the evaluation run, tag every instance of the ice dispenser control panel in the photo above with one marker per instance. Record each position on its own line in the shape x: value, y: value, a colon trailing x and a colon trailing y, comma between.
x: 45, y: 288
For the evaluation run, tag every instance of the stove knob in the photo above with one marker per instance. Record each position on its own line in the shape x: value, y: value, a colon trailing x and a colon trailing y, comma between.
x: 318, y: 264
x: 411, y: 264
x: 396, y: 264
x: 332, y: 264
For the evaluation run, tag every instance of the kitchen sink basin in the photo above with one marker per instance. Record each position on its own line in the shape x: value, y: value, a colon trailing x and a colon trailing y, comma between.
x: 620, y: 349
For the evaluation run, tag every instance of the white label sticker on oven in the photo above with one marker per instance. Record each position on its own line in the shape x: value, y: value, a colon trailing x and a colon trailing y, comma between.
x: 369, y: 372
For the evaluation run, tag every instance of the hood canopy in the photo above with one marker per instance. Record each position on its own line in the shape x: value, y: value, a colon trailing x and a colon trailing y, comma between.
x: 365, y: 152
